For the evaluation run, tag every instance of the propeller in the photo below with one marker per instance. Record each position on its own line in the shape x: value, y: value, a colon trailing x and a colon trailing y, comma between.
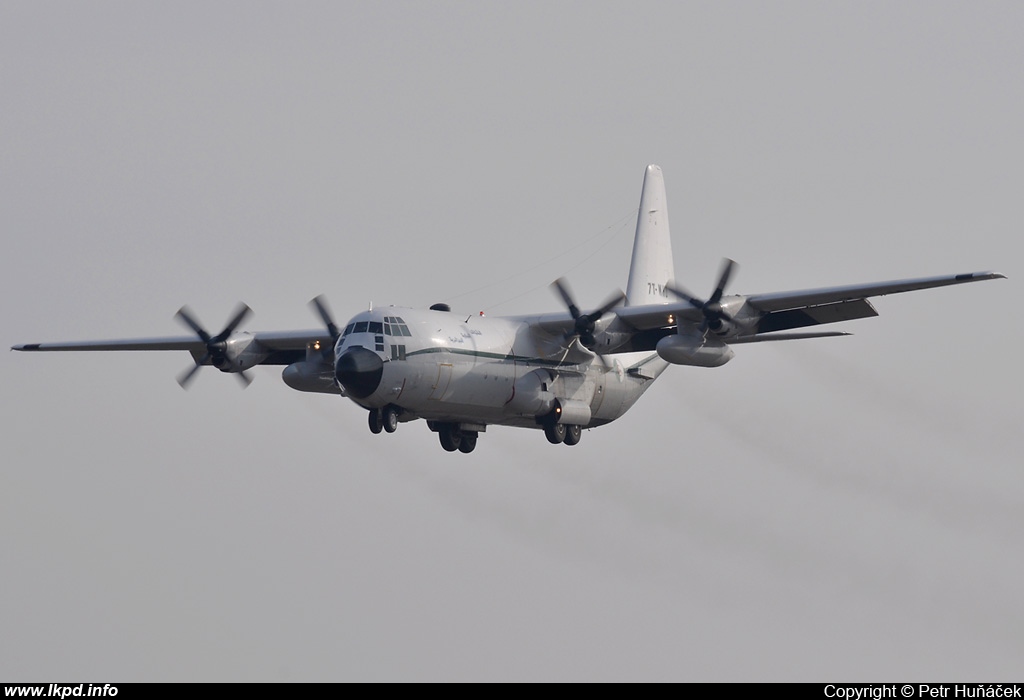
x: 712, y: 309
x: 216, y: 346
x: 586, y: 323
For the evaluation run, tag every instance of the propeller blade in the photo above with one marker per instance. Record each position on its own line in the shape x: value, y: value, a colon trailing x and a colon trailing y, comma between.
x: 563, y: 289
x: 241, y: 312
x: 614, y: 300
x: 185, y: 378
x: 320, y: 304
x: 685, y: 296
x: 185, y: 315
x: 244, y: 378
x: 723, y: 280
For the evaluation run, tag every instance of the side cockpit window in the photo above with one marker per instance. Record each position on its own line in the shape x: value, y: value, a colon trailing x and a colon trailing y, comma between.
x: 395, y: 326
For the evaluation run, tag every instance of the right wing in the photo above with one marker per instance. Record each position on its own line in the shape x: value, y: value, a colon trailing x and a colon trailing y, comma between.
x: 282, y: 347
x: 758, y: 314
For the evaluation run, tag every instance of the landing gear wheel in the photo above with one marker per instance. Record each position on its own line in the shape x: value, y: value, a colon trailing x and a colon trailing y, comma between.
x: 573, y: 433
x: 374, y: 419
x: 450, y: 437
x: 468, y: 443
x: 389, y: 419
x: 555, y: 433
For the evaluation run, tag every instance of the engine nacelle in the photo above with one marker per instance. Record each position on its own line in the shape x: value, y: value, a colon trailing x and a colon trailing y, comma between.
x: 694, y: 349
x: 241, y: 352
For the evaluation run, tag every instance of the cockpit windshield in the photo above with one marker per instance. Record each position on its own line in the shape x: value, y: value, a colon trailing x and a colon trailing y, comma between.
x: 392, y: 325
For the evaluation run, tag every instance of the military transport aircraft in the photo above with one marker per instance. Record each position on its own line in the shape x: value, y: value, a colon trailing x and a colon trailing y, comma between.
x: 557, y: 372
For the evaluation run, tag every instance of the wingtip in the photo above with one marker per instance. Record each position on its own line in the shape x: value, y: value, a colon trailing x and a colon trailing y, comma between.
x: 973, y: 276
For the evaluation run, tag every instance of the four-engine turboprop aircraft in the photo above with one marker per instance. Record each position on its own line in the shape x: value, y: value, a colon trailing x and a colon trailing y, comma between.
x: 558, y: 372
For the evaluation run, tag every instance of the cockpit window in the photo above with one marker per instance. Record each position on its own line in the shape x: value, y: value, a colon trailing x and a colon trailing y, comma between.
x: 348, y: 328
x: 360, y: 327
x: 375, y: 327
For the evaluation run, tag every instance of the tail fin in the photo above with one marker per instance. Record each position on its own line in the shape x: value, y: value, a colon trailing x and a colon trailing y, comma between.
x: 652, y: 266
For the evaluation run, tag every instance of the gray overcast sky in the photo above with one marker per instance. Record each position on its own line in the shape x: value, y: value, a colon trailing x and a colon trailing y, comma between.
x: 835, y: 509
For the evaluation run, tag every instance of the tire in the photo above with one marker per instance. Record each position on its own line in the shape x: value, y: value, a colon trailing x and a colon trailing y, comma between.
x: 389, y: 419
x: 573, y: 434
x: 376, y: 425
x: 450, y: 437
x: 555, y: 433
x: 468, y: 443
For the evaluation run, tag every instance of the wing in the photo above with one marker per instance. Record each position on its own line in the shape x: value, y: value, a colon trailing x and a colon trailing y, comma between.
x: 781, y: 301
x: 757, y: 314
x: 278, y: 344
x: 192, y: 344
x: 233, y: 353
x: 229, y: 351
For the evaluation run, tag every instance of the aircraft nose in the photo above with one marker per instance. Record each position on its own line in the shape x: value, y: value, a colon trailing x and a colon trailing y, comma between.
x: 359, y: 371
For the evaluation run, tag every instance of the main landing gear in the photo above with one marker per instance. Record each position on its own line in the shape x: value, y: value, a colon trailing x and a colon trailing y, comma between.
x: 454, y: 438
x: 557, y: 433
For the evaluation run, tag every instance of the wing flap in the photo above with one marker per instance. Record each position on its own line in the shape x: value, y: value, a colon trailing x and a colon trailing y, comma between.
x: 815, y: 315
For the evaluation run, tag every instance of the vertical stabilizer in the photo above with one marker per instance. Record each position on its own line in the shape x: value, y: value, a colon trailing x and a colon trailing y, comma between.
x: 652, y: 266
